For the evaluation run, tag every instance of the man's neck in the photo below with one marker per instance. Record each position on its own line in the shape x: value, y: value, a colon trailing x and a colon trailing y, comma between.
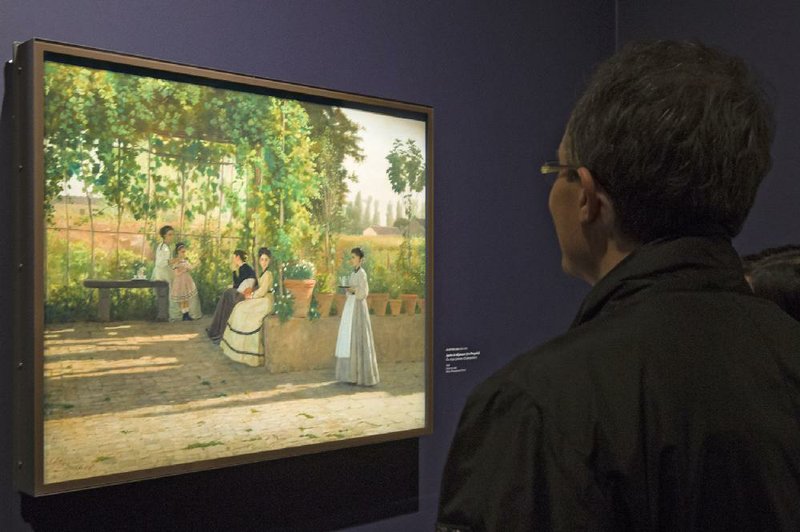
x: 615, y: 252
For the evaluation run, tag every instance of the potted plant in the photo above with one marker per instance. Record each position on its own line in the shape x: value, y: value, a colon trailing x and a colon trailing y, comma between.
x: 421, y: 299
x: 299, y: 281
x: 408, y: 295
x: 324, y: 295
x: 395, y: 303
x: 378, y: 290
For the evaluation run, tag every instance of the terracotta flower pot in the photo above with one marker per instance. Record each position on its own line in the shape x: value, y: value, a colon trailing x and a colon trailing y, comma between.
x: 301, y: 290
x: 377, y: 302
x: 324, y: 304
x: 340, y: 299
x: 409, y: 303
x: 395, y: 306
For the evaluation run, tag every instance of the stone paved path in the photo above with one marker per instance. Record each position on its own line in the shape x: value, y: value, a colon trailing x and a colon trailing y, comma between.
x: 135, y: 395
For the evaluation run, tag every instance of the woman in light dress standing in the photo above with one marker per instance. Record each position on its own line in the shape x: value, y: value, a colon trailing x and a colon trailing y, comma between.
x: 356, y: 360
x: 183, y: 290
x: 243, y: 339
x: 162, y: 271
x: 163, y: 267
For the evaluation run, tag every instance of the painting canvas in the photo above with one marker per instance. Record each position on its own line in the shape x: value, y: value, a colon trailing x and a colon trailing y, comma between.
x: 232, y: 269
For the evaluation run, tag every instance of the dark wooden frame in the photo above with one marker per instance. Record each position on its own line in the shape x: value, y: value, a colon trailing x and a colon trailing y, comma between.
x: 27, y: 69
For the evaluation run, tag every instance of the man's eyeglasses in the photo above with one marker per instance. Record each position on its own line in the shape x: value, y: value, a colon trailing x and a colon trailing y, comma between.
x: 554, y: 167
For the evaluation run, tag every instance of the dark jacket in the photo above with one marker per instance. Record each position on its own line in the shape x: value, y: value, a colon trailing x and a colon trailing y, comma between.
x: 673, y: 403
x: 244, y: 272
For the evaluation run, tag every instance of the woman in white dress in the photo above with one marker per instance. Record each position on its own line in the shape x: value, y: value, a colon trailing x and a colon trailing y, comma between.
x: 356, y: 360
x: 243, y: 339
x: 163, y: 267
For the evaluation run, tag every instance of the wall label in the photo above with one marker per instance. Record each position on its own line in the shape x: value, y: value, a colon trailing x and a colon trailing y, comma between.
x: 456, y: 359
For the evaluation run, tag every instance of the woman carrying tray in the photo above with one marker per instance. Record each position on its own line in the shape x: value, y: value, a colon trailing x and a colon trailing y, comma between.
x: 356, y: 360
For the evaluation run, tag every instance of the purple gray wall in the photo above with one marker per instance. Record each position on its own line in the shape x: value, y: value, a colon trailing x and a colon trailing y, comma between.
x: 501, y: 78
x: 764, y: 34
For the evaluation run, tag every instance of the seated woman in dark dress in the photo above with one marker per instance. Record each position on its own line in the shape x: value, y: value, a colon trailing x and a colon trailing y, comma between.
x: 241, y: 273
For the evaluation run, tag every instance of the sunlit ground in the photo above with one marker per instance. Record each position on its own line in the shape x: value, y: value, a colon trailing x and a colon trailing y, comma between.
x: 137, y: 395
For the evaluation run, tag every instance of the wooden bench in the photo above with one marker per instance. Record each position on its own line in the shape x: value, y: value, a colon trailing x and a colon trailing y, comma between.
x: 105, y: 285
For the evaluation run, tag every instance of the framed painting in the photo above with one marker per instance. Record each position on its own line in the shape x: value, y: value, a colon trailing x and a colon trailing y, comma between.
x: 213, y: 268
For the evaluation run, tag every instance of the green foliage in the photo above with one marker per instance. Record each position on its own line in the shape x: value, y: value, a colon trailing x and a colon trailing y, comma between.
x: 410, y: 268
x: 313, y: 311
x: 402, y: 273
x: 406, y: 174
x: 68, y: 300
x: 406, y: 171
x: 225, y: 168
x: 345, y: 269
x: 68, y: 303
x: 378, y: 278
x: 335, y: 139
x: 325, y: 283
x: 132, y: 305
x: 211, y: 272
x: 284, y: 306
x: 74, y: 302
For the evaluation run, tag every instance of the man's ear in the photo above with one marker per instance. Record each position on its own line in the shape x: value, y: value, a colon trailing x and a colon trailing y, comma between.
x: 594, y: 200
x: 588, y: 200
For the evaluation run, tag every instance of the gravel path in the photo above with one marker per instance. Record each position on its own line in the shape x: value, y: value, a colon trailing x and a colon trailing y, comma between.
x: 135, y: 395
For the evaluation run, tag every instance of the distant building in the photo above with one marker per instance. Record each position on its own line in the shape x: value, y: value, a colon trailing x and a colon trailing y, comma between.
x: 379, y: 230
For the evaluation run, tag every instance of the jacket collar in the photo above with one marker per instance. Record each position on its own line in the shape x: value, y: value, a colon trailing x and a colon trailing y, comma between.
x: 676, y: 264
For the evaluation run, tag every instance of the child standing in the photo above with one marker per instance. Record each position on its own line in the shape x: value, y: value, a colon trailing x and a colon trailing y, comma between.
x: 183, y: 287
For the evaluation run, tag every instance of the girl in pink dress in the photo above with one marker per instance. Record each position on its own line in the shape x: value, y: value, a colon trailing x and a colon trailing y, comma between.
x: 183, y: 287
